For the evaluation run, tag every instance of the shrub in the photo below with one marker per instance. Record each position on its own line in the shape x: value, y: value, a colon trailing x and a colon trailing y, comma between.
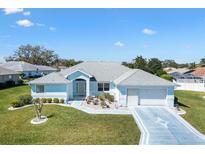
x: 25, y: 99
x: 56, y: 100
x: 160, y: 72
x: 101, y: 97
x: 43, y: 100
x: 49, y: 100
x: 20, y: 82
x: 109, y: 97
x: 167, y: 77
x: 62, y: 101
x: 10, y: 83
x: 16, y: 103
x: 36, y: 100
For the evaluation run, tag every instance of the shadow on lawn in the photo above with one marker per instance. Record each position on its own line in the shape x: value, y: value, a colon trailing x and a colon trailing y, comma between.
x: 177, y: 103
x: 50, y: 116
x: 180, y: 104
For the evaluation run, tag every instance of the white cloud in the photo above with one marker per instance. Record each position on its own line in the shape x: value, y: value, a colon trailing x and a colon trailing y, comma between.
x: 148, y: 31
x: 119, y: 44
x: 52, y: 28
x: 27, y: 13
x: 8, y: 11
x: 40, y: 25
x: 24, y: 23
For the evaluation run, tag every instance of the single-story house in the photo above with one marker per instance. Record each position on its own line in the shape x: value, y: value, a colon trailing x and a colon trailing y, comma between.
x: 130, y: 87
x: 179, y: 70
x: 29, y: 70
x: 199, y: 71
x: 8, y: 75
x: 189, y: 79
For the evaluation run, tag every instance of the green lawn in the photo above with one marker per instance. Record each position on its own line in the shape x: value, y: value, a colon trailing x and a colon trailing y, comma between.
x: 194, y: 105
x: 65, y: 125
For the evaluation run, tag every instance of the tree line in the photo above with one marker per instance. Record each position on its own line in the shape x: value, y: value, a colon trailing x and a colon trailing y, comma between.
x: 155, y: 66
x: 39, y: 55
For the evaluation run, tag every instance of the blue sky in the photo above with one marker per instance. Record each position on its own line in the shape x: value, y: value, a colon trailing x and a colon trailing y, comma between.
x: 107, y: 34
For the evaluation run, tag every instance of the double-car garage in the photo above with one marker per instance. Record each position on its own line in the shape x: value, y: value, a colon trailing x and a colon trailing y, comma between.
x: 146, y: 96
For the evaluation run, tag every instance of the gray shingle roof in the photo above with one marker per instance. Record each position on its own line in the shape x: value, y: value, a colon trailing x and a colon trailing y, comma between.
x: 102, y: 71
x: 21, y: 66
x: 4, y: 71
x: 45, y: 68
x: 52, y: 78
x: 137, y: 77
x: 107, y: 71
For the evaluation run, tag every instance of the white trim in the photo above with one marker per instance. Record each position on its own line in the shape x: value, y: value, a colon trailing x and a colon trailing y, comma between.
x: 144, y: 137
x: 145, y: 133
x: 188, y: 125
x: 79, y: 71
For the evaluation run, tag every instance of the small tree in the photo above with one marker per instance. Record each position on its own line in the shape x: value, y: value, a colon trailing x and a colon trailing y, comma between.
x: 38, y: 106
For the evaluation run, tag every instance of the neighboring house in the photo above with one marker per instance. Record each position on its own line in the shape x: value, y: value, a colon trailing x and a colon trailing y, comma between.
x: 188, y: 79
x: 29, y: 70
x: 199, y: 71
x: 44, y: 70
x: 8, y: 75
x: 168, y: 69
x: 130, y: 87
x: 179, y: 70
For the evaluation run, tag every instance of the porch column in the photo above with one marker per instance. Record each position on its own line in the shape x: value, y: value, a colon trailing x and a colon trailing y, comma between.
x: 88, y: 87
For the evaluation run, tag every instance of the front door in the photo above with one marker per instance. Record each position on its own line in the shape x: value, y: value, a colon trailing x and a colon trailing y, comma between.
x: 81, y: 88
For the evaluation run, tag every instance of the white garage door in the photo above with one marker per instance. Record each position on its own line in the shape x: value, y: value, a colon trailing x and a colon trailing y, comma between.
x: 152, y: 96
x: 132, y: 97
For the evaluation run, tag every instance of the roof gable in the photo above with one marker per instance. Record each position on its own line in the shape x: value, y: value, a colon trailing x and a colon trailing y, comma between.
x: 141, y: 78
x: 102, y: 71
x: 77, y: 74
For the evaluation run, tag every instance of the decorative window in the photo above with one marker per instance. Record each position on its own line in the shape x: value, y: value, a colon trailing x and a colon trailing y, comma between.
x: 39, y: 88
x: 103, y: 86
x: 106, y: 86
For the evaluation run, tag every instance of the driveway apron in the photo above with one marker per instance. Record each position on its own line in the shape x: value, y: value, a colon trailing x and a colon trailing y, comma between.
x: 159, y: 125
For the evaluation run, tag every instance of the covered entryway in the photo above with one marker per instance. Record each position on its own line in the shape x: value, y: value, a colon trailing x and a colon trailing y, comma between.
x: 152, y: 96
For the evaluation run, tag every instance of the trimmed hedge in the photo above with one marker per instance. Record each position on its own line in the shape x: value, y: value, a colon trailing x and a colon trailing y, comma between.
x: 25, y: 99
x: 62, y: 101
x: 43, y: 100
x: 22, y: 100
x: 55, y: 100
x: 16, y: 103
x: 49, y: 100
x: 36, y: 100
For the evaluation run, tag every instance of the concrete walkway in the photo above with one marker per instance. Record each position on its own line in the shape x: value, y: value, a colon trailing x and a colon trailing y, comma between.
x: 79, y: 106
x: 160, y: 125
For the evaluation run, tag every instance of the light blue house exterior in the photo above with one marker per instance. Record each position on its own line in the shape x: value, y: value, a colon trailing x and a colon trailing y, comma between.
x: 129, y: 87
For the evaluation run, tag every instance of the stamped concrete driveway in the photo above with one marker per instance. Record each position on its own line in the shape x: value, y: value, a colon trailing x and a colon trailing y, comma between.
x: 159, y: 125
